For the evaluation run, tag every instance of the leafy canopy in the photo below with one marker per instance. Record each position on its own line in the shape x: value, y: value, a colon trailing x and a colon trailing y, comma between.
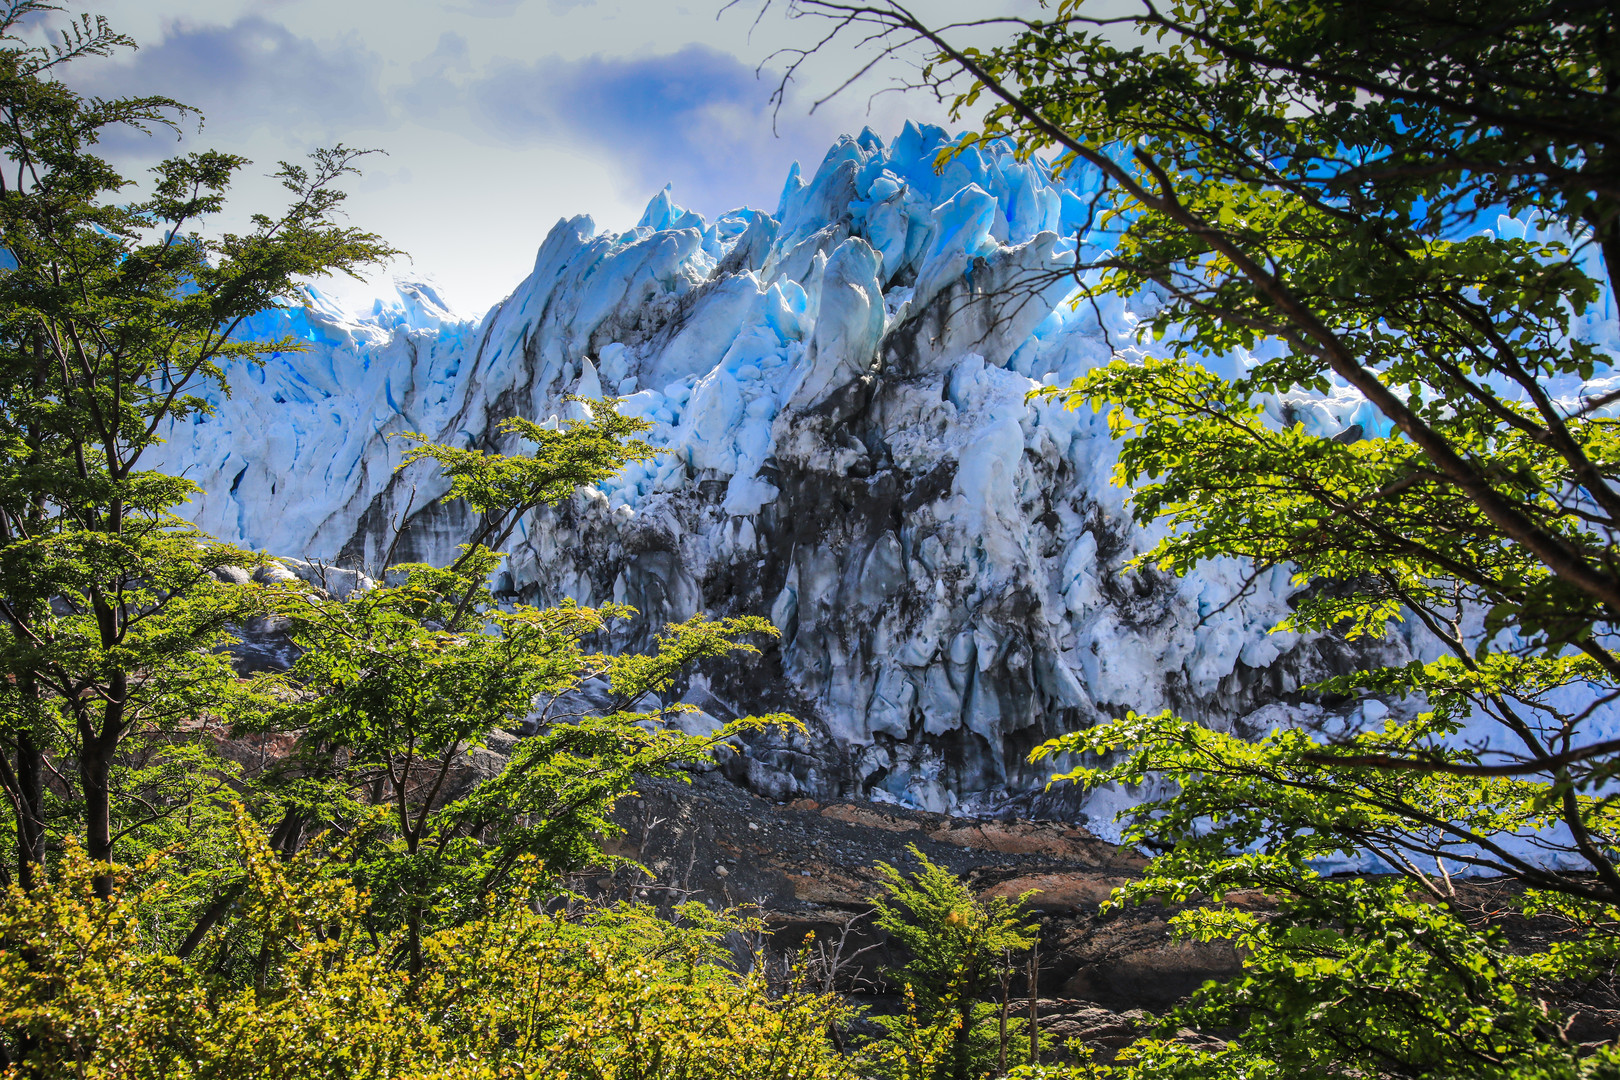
x: 1375, y: 232
x: 352, y: 867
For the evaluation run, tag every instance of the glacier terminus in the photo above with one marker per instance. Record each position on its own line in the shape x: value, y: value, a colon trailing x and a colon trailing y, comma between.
x: 841, y: 393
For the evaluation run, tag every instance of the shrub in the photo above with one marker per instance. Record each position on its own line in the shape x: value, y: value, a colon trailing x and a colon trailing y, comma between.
x: 615, y: 993
x: 957, y: 946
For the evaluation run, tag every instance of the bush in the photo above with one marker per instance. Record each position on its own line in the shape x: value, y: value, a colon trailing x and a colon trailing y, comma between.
x: 617, y: 992
x: 959, y: 948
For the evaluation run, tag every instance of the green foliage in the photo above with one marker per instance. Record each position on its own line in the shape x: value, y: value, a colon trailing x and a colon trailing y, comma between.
x: 616, y: 992
x: 915, y: 1049
x: 391, y: 900
x: 1306, y: 184
x: 114, y: 313
x: 398, y: 685
x: 500, y: 488
x: 1358, y: 970
x: 1283, y: 796
x: 1299, y: 193
x: 1354, y: 971
x: 957, y: 946
x: 389, y: 705
x: 567, y: 456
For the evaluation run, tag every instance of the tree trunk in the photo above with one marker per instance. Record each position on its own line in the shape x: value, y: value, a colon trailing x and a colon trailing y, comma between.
x: 285, y: 840
x: 209, y: 918
x: 30, y: 810
x: 1006, y: 1005
x: 95, y: 766
x: 414, y: 927
x: 95, y: 781
x: 1034, y: 1009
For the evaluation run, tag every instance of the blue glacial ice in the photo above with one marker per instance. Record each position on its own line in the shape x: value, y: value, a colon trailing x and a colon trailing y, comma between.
x: 839, y: 389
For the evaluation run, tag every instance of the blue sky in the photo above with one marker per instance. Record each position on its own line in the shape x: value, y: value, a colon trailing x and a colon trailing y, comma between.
x: 497, y: 116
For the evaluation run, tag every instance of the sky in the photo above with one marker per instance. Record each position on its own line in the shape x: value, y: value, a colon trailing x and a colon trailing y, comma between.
x: 497, y: 117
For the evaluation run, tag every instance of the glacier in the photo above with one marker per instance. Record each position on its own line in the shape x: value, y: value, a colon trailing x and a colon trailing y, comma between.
x: 840, y: 391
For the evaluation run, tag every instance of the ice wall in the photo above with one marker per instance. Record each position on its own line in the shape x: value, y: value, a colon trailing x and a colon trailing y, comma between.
x: 840, y: 388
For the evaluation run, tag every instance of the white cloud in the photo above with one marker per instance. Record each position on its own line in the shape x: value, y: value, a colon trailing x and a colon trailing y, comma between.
x: 498, y: 116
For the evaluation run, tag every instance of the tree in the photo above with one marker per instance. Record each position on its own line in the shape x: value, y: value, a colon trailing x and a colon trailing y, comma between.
x: 384, y: 903
x: 397, y: 684
x: 113, y: 314
x: 955, y: 945
x: 1315, y: 192
x: 118, y: 614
